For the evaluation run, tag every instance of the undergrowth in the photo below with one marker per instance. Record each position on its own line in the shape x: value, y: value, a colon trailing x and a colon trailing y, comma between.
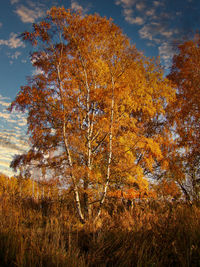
x: 47, y: 233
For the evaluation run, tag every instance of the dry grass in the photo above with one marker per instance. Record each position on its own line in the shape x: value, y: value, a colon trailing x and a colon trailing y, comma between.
x: 48, y: 234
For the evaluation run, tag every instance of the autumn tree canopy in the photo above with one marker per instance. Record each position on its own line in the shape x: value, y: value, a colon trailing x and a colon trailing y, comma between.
x: 97, y: 101
x: 184, y: 115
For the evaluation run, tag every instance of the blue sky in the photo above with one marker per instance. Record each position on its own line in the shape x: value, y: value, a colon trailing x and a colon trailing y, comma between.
x: 153, y: 26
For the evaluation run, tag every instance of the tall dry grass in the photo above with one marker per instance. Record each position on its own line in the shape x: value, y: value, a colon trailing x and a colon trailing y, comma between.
x: 47, y: 233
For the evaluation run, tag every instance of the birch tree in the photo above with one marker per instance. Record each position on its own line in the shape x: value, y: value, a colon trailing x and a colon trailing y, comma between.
x: 95, y: 101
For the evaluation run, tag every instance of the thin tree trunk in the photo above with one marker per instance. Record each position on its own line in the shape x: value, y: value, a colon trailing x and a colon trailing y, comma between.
x: 187, y: 196
x: 75, y: 187
x: 89, y: 123
x: 87, y: 179
x: 109, y: 155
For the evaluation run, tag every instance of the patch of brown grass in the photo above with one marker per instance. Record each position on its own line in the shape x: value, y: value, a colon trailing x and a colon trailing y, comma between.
x: 48, y: 234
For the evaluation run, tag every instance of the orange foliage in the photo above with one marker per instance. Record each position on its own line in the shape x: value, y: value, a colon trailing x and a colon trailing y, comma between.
x: 184, y: 115
x: 97, y: 101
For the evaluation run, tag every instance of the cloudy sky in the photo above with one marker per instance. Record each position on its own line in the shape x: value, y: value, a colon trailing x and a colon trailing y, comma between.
x: 154, y: 26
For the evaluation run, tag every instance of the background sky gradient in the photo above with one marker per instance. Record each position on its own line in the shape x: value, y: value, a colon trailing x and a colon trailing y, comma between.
x: 155, y: 27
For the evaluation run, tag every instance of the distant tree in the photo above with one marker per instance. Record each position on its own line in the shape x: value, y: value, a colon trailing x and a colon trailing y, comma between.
x: 184, y: 115
x: 97, y: 101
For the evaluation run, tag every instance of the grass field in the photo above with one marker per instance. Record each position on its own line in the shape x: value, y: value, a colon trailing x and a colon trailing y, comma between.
x: 47, y: 233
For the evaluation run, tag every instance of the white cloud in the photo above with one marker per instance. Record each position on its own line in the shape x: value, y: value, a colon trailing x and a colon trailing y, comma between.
x: 3, y: 103
x: 15, y: 55
x: 11, y: 120
x: 23, y: 123
x: 140, y: 6
x: 129, y: 17
x: 75, y: 5
x: 4, y: 163
x: 29, y: 15
x: 150, y: 12
x: 11, y: 143
x: 128, y: 12
x: 7, y: 157
x: 13, y: 42
x: 3, y: 97
x: 6, y: 150
x: 166, y: 33
x: 166, y: 53
x: 150, y: 44
x: 9, y: 148
x: 13, y: 139
x: 146, y: 33
x: 4, y: 168
x: 14, y: 2
x: 155, y: 31
x: 157, y: 3
x: 136, y: 20
x: 5, y: 115
x: 149, y: 15
x: 127, y: 3
x: 17, y: 128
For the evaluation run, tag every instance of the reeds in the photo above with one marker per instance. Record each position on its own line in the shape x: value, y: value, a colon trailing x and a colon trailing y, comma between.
x: 47, y: 233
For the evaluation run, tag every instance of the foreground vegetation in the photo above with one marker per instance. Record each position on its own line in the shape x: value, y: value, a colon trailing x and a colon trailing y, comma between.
x: 48, y: 233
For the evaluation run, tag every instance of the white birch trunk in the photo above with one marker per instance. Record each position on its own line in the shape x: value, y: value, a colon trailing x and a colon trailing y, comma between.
x: 75, y: 187
x: 89, y: 135
x: 109, y: 155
